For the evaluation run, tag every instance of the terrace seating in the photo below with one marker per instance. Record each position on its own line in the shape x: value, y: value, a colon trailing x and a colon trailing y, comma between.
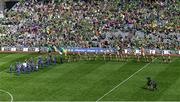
x: 93, y: 24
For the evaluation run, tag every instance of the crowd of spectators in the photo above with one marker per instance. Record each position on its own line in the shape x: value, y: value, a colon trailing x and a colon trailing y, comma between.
x: 93, y: 23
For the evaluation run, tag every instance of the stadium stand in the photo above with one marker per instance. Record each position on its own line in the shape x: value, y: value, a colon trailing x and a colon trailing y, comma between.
x: 86, y: 24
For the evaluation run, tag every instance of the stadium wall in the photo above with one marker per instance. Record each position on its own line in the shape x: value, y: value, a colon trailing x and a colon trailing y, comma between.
x: 91, y: 50
x: 23, y: 49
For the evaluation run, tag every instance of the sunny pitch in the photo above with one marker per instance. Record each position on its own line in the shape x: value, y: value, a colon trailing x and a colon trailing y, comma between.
x: 89, y: 80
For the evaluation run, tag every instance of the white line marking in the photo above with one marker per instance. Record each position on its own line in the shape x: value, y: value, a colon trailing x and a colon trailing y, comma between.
x: 124, y: 81
x: 8, y: 94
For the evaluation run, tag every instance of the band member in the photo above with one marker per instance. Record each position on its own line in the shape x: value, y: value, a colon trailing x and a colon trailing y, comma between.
x: 96, y: 55
x: 138, y: 55
x: 122, y: 55
x: 169, y: 58
x: 163, y: 58
x: 126, y: 55
x: 74, y: 57
x: 143, y: 54
x: 146, y: 58
x: 134, y: 53
x: 151, y: 57
x: 79, y: 56
x: 110, y: 56
x: 142, y: 51
x: 117, y: 56
x: 89, y: 57
x: 67, y: 58
x: 93, y: 57
x: 104, y: 56
x: 86, y: 56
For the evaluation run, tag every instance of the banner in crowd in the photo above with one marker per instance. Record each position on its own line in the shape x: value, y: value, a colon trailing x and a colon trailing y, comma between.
x: 166, y: 52
x: 138, y: 52
x: 152, y: 51
x: 2, y: 49
x: 13, y: 49
x: 25, y: 49
x: 126, y: 51
x: 90, y: 49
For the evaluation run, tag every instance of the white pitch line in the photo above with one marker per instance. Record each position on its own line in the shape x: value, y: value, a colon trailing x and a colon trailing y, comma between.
x: 124, y: 81
x: 8, y: 94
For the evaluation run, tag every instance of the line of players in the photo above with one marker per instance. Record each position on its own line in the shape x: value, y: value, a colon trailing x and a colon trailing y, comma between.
x: 117, y: 56
x: 31, y: 65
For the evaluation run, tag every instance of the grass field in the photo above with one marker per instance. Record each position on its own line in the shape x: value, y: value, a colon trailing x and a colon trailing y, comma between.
x: 90, y: 81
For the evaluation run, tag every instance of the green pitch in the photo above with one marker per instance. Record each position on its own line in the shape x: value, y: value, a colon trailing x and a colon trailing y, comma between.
x: 90, y: 81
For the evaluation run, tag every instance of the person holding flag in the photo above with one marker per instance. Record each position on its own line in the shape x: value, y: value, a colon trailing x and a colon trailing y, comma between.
x: 61, y: 52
